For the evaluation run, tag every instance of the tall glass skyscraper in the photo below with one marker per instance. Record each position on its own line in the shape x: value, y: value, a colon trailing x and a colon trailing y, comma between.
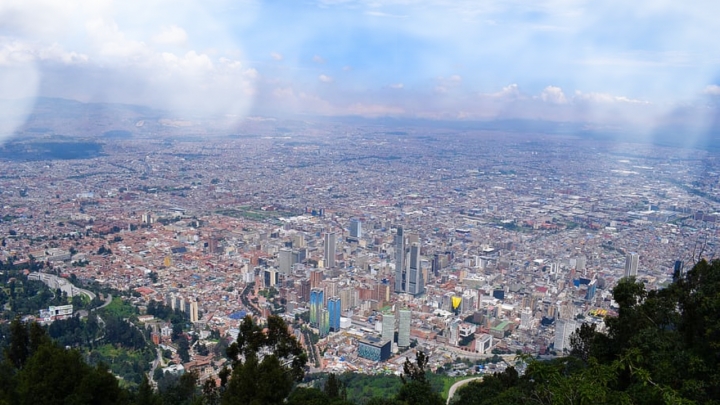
x: 388, y: 327
x: 316, y: 305
x: 324, y: 324
x: 334, y: 309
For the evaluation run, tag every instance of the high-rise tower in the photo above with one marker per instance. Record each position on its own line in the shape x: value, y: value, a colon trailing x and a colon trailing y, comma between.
x: 330, y: 243
x: 400, y: 274
x: 355, y: 228
x: 316, y: 305
x: 631, y: 264
x: 388, y: 327
x: 408, y: 272
x: 334, y: 308
x: 415, y: 282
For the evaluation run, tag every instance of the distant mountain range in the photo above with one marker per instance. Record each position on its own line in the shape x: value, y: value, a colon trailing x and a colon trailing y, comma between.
x: 55, y: 116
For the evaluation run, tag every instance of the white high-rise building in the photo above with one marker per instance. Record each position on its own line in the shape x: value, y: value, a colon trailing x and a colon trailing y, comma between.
x: 631, y: 264
x: 563, y: 329
x: 388, y: 327
x: 526, y: 319
x: 194, y: 311
x: 285, y: 259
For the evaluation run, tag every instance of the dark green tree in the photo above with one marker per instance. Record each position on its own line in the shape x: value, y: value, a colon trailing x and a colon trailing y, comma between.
x: 266, y: 363
x: 416, y: 388
x: 333, y: 386
x: 146, y: 395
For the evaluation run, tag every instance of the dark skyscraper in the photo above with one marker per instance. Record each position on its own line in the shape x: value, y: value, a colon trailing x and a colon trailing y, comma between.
x: 355, y: 228
x: 408, y: 273
x: 415, y: 282
x: 400, y: 275
x: 330, y: 243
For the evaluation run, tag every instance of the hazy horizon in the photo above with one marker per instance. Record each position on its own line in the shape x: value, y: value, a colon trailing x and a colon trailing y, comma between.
x: 641, y: 66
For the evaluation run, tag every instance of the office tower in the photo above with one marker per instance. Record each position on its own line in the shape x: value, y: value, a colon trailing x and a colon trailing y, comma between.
x: 316, y: 276
x: 563, y: 330
x: 212, y: 244
x: 388, y: 327
x: 194, y: 312
x: 436, y: 265
x: 334, y: 309
x: 415, y: 282
x: 270, y: 277
x: 304, y: 287
x: 330, y: 244
x: 299, y: 255
x: 631, y: 264
x: 408, y: 272
x: 285, y: 259
x: 316, y: 305
x: 580, y: 263
x: 346, y: 297
x: 526, y: 319
x: 355, y: 228
x: 592, y: 289
x: 400, y: 275
x: 404, y: 317
x: 678, y: 270
x: 324, y: 322
x: 298, y: 240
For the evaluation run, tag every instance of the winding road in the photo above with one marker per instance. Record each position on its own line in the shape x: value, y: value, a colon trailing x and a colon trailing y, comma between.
x: 458, y: 385
x: 56, y: 282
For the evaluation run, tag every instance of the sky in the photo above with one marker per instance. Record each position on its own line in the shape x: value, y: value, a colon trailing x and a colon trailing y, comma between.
x: 643, y: 64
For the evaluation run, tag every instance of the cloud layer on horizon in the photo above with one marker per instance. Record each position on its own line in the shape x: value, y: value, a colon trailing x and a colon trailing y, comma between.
x: 615, y: 63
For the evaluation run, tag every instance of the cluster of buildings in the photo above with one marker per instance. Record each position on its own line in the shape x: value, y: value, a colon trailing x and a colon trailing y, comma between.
x: 459, y: 244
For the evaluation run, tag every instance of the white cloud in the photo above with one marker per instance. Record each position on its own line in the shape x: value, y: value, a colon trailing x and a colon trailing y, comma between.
x: 712, y: 90
x: 109, y: 41
x: 276, y: 56
x: 325, y: 79
x: 318, y: 59
x: 386, y: 15
x: 171, y: 35
x: 553, y: 95
x: 397, y: 86
x: 508, y: 92
x: 604, y: 98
